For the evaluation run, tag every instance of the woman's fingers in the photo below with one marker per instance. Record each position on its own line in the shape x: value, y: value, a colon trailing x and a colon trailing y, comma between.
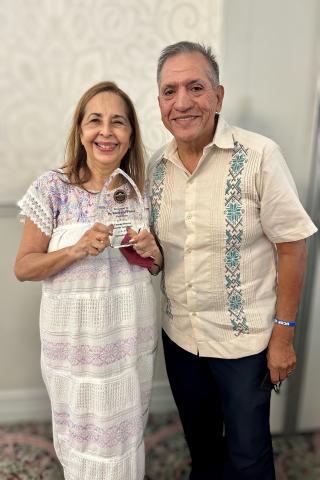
x: 101, y: 228
x: 144, y: 244
x: 96, y: 239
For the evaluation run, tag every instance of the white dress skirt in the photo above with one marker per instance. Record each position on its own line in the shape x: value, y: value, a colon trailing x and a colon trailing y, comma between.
x: 98, y: 342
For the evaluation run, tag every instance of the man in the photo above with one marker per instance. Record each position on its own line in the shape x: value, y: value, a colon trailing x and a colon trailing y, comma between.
x: 232, y: 230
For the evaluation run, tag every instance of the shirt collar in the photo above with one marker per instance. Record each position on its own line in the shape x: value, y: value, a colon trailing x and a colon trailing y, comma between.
x: 223, y: 138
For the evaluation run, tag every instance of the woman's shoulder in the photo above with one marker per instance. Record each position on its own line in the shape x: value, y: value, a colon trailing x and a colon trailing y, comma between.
x: 54, y: 175
x: 51, y: 180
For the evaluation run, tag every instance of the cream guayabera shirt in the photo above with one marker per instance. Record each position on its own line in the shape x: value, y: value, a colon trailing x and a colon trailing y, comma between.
x: 218, y: 228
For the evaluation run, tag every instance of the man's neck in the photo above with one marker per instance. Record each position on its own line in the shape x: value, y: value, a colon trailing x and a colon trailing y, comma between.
x: 189, y: 158
x: 191, y: 153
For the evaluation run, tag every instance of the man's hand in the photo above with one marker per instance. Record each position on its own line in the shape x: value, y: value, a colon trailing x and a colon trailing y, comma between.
x: 281, y: 355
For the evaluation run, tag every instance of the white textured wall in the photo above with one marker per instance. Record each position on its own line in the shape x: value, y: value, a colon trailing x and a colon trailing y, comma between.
x: 52, y: 51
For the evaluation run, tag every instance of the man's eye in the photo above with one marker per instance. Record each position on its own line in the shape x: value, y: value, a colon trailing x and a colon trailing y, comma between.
x: 197, y: 88
x: 168, y: 93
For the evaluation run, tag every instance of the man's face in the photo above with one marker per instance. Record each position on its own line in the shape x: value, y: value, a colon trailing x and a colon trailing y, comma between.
x: 188, y: 99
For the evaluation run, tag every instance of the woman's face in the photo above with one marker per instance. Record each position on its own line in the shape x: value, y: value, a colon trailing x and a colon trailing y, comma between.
x: 105, y: 132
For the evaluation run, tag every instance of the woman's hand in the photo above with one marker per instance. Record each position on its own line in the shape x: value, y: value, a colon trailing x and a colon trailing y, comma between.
x: 145, y: 245
x: 33, y: 261
x: 93, y: 241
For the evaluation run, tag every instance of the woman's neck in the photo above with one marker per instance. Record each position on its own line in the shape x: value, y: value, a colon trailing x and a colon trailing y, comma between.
x: 98, y: 178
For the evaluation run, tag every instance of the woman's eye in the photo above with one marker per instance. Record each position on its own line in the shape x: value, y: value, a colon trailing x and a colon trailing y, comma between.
x: 94, y: 120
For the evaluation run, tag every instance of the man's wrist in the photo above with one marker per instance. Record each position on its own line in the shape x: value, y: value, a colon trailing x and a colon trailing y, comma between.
x: 284, y: 323
x: 282, y: 333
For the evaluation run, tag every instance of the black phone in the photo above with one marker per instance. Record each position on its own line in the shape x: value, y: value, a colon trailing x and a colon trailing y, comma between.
x: 267, y: 384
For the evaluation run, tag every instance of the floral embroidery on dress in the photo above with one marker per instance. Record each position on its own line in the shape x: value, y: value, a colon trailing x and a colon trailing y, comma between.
x: 52, y: 201
x: 122, y: 433
x: 98, y: 356
x: 234, y: 212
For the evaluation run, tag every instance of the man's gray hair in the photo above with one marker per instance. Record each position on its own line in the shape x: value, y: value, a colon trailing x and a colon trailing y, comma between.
x: 190, y: 47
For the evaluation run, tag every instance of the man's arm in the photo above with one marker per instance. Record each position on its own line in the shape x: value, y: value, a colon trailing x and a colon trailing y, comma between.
x: 292, y: 259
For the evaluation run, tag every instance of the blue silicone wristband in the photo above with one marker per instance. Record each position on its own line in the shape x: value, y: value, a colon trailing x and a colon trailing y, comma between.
x: 284, y: 323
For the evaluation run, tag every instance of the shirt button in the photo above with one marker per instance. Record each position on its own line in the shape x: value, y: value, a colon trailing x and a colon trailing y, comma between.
x: 188, y: 216
x: 189, y: 285
x: 188, y: 250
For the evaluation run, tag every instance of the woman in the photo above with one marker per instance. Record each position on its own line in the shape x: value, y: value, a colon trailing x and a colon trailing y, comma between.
x: 97, y: 322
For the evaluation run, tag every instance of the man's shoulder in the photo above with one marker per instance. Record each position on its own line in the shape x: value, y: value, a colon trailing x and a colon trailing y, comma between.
x: 156, y: 158
x: 253, y: 140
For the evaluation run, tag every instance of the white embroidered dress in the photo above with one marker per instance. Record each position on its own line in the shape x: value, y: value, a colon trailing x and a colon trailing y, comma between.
x: 98, y: 340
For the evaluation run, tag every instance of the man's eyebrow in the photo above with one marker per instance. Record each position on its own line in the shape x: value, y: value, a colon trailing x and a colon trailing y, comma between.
x: 168, y: 85
x: 188, y: 82
x: 197, y: 80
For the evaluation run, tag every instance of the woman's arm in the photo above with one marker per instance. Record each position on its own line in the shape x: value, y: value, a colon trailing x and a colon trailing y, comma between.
x: 33, y: 262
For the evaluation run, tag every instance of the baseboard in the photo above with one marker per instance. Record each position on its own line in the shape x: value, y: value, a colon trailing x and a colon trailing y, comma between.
x: 24, y: 405
x: 34, y: 404
x: 161, y: 398
x: 8, y: 210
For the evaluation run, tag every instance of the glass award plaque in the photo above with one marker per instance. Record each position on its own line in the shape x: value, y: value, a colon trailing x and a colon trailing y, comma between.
x: 121, y: 204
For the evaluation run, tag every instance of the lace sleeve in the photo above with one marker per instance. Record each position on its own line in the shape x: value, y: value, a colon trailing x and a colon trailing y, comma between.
x: 36, y: 205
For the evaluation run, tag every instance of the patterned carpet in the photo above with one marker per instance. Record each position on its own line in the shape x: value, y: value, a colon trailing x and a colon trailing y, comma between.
x: 26, y: 452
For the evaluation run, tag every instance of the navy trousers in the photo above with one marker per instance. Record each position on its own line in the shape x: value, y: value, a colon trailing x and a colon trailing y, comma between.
x: 224, y: 413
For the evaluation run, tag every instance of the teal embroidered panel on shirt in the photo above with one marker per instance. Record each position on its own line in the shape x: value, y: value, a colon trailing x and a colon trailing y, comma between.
x: 158, y: 177
x: 167, y: 299
x: 234, y: 212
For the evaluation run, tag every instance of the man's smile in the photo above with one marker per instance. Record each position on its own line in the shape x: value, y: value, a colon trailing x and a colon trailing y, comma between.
x: 184, y: 118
